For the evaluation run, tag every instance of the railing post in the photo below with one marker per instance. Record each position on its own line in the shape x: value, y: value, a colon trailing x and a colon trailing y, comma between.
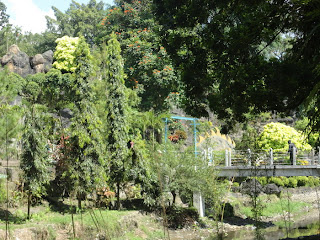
x: 312, y: 157
x: 249, y: 157
x: 226, y: 158
x: 294, y: 155
x: 318, y: 155
x: 271, y: 156
x: 229, y: 158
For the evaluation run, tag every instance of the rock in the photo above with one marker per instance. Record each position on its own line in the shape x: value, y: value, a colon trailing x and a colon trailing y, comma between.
x: 272, y: 189
x: 20, y: 63
x: 48, y: 56
x: 17, y: 61
x: 38, y: 59
x: 251, y: 187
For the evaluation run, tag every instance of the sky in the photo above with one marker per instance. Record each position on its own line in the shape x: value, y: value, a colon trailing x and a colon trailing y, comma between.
x: 30, y: 14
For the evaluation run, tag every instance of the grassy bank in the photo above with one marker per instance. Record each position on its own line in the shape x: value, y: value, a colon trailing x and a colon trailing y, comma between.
x: 88, y: 224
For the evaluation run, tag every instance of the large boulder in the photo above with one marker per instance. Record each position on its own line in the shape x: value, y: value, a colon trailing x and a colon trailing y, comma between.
x: 42, y: 62
x: 251, y: 187
x: 20, y: 63
x: 17, y: 61
x: 272, y: 189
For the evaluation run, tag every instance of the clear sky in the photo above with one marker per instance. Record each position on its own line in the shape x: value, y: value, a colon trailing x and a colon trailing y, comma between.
x: 30, y: 14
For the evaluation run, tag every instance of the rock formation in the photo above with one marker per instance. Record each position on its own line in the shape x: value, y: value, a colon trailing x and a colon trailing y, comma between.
x: 20, y: 63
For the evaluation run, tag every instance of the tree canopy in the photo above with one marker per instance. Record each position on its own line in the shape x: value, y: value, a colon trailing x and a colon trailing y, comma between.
x: 219, y: 47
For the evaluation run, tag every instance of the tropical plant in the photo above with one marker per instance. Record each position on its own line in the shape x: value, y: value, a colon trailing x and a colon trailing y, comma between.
x: 277, y: 135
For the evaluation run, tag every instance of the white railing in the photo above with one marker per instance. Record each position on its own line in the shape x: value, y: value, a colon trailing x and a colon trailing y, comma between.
x: 260, y: 157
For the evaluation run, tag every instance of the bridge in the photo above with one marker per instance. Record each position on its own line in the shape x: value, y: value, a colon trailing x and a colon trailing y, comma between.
x: 235, y: 163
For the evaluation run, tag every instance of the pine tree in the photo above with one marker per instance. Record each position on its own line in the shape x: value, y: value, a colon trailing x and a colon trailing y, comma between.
x: 87, y: 153
x: 35, y: 162
x: 117, y: 120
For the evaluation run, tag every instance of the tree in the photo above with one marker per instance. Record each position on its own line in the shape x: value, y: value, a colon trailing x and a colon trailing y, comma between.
x: 35, y: 162
x: 78, y: 20
x: 11, y: 86
x: 146, y: 62
x: 117, y: 120
x: 4, y: 17
x: 87, y: 153
x: 217, y: 45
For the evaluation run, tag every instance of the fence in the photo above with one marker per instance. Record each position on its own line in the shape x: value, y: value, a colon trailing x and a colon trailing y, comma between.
x: 260, y: 157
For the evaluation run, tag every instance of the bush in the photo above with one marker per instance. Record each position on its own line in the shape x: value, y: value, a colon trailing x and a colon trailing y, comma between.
x: 2, y: 191
x: 302, y: 181
x: 262, y: 180
x: 293, y: 182
x: 315, y: 180
x: 179, y: 217
x: 276, y: 136
x: 277, y: 181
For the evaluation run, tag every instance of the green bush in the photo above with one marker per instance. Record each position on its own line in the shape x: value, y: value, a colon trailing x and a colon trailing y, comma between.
x: 293, y: 182
x: 302, y: 181
x: 315, y: 180
x: 277, y: 181
x: 2, y: 191
x: 276, y: 136
x: 262, y: 180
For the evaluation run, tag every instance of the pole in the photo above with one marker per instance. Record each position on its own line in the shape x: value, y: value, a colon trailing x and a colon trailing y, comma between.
x: 271, y: 156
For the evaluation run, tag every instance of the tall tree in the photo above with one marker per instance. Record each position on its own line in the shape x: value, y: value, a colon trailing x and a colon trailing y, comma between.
x: 35, y: 162
x: 86, y: 140
x: 4, y: 17
x: 217, y: 44
x: 117, y: 120
x: 146, y: 62
x: 78, y: 20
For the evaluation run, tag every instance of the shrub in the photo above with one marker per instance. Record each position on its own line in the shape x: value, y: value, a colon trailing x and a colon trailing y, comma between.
x: 2, y: 191
x: 276, y: 136
x: 263, y: 180
x: 302, y: 181
x: 276, y: 180
x: 293, y: 182
x: 179, y: 217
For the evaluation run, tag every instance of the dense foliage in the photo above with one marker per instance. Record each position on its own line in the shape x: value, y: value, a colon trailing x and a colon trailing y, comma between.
x: 93, y: 125
x: 277, y: 135
x: 220, y: 47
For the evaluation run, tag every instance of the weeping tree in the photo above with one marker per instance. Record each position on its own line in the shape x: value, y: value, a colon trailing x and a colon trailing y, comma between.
x: 35, y: 162
x: 117, y: 120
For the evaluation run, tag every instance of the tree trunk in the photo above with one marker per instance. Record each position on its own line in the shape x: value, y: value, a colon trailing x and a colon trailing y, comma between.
x: 79, y: 202
x: 173, y: 197
x: 29, y: 204
x: 118, y: 196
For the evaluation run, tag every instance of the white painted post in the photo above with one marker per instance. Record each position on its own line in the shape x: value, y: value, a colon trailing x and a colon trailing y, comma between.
x: 312, y: 157
x: 271, y: 156
x: 318, y: 155
x: 226, y: 158
x: 210, y: 155
x: 249, y: 157
x: 198, y: 203
x: 294, y: 156
x: 229, y: 158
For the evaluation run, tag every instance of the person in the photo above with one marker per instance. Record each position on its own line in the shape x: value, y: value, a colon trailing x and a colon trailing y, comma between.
x: 290, y: 150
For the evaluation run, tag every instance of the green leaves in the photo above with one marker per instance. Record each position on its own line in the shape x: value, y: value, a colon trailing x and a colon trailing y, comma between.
x: 277, y: 135
x: 65, y: 53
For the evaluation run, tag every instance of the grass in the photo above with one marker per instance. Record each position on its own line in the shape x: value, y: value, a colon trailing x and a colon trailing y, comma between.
x: 89, y: 223
x: 274, y: 207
